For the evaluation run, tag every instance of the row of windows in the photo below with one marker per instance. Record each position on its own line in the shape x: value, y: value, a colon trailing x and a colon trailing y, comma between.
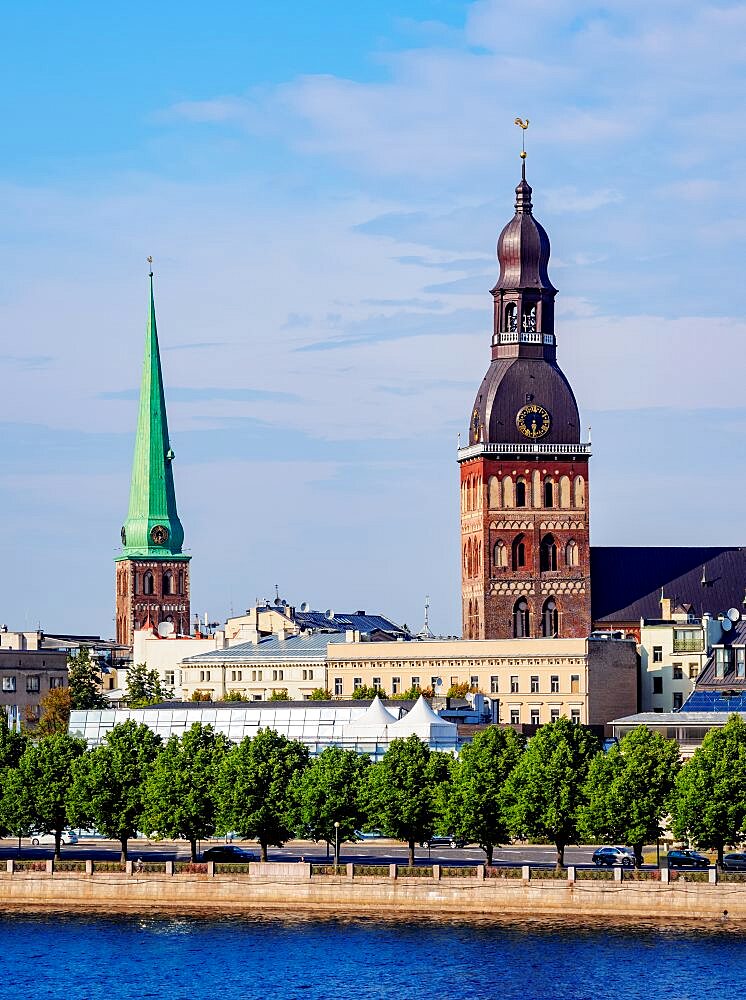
x: 33, y: 683
x: 548, y: 559
x: 528, y: 318
x: 171, y: 583
x: 535, y: 716
x: 726, y: 657
x: 504, y: 493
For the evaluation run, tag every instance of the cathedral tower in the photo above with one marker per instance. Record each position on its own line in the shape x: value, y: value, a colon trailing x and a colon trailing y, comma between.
x: 524, y: 476
x: 152, y: 574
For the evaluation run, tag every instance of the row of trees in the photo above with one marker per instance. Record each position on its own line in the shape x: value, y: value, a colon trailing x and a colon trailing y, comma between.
x: 558, y: 787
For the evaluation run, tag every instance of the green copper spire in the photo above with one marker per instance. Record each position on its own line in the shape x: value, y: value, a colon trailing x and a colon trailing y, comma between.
x: 152, y: 527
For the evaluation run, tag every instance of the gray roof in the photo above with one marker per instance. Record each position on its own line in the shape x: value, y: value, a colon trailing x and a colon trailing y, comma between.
x: 677, y: 719
x: 301, y: 648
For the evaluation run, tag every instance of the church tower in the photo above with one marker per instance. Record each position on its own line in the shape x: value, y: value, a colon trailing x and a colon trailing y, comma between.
x: 152, y: 574
x: 525, y: 558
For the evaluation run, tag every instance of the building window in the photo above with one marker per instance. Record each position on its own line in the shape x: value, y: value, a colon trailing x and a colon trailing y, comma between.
x: 514, y: 684
x: 377, y: 683
x: 548, y: 554
x: 548, y: 493
x: 657, y: 685
x: 575, y: 684
x: 511, y: 317
x: 204, y: 675
x: 181, y: 583
x: 571, y: 553
x: 515, y: 716
x: 575, y: 716
x: 554, y: 714
x: 414, y: 682
x: 693, y: 670
x: 168, y: 584
x: 554, y: 684
x: 534, y: 684
x: 395, y: 685
x: 723, y: 661
x: 657, y: 654
x: 518, y: 552
x: 147, y: 583
x: 678, y: 700
x: 500, y: 555
x: 521, y: 621
x: 474, y: 683
x: 740, y: 661
x: 534, y: 716
x: 434, y: 684
x: 549, y: 619
x: 338, y: 687
x: 170, y: 677
x: 32, y: 684
x: 494, y: 685
x: 520, y: 493
x: 58, y: 682
x: 678, y: 672
x: 9, y: 683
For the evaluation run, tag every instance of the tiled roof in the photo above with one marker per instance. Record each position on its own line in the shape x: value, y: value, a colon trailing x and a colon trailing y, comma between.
x: 626, y: 582
x: 343, y: 621
x: 720, y: 694
x: 310, y: 646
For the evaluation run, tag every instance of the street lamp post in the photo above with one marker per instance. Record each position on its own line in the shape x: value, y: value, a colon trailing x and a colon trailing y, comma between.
x: 336, y: 843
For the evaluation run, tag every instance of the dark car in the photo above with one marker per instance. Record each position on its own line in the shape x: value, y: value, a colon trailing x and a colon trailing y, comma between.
x: 613, y: 856
x: 687, y: 859
x: 228, y: 854
x: 438, y: 841
x: 734, y: 863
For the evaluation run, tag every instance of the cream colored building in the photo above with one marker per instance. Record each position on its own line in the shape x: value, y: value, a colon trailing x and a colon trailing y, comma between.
x: 535, y: 681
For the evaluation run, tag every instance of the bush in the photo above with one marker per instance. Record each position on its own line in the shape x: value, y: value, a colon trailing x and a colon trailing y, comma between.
x: 365, y: 693
x: 458, y: 690
x: 190, y: 868
x: 321, y: 694
x: 279, y: 694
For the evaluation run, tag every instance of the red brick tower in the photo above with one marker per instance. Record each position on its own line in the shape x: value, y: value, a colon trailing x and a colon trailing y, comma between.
x: 525, y: 557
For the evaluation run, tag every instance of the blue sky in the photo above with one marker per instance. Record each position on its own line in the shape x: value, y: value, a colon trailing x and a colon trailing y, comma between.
x: 322, y: 188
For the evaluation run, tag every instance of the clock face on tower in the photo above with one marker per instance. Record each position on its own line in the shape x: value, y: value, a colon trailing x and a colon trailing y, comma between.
x: 159, y: 534
x: 533, y: 421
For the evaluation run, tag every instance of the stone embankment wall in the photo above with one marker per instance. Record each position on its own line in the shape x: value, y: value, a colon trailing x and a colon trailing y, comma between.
x: 292, y: 889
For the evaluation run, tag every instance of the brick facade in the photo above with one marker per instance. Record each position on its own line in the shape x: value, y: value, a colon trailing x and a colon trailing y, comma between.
x: 151, y: 589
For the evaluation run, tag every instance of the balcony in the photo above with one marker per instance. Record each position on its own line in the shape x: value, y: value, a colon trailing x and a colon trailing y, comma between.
x: 527, y: 448
x: 688, y: 645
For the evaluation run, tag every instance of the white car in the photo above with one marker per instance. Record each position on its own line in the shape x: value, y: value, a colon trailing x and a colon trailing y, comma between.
x: 44, y: 839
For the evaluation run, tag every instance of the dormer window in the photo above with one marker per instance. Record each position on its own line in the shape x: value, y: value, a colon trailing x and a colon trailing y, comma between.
x: 723, y: 661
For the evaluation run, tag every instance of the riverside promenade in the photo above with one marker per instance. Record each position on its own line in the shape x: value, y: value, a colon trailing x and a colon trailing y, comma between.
x: 374, y: 891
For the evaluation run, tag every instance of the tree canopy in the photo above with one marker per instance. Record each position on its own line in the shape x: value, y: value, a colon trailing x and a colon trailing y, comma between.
x: 84, y: 680
x: 55, y: 711
x: 144, y: 687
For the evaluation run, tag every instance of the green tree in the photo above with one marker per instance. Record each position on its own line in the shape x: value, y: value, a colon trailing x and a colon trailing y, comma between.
x: 234, y: 696
x: 365, y: 693
x: 279, y: 694
x: 329, y: 792
x: 473, y: 807
x: 144, y: 687
x: 180, y: 794
x: 253, y: 788
x: 35, y: 793
x: 108, y: 783
x: 84, y: 679
x: 458, y: 690
x: 401, y: 791
x: 628, y: 788
x: 321, y: 694
x: 201, y: 696
x: 412, y: 694
x: 55, y: 711
x: 12, y: 746
x: 545, y: 792
x: 708, y: 803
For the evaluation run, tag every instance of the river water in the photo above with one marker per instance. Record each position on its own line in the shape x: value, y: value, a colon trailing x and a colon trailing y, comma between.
x: 57, y: 956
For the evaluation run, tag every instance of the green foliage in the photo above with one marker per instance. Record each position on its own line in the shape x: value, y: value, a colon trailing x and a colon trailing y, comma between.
x: 708, y: 804
x: 545, y: 792
x: 279, y: 694
x: 401, y: 791
x: 365, y: 693
x: 179, y: 797
x: 12, y: 746
x: 458, y: 690
x: 35, y: 792
x: 201, y: 696
x: 411, y: 695
x: 473, y: 807
x: 144, y: 687
x: 55, y: 711
x: 320, y: 694
x: 84, y: 679
x: 254, y: 788
x: 108, y: 782
x: 231, y: 696
x: 627, y: 790
x: 329, y: 791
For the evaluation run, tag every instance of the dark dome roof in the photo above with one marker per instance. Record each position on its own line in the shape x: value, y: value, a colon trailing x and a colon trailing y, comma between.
x: 503, y: 393
x: 523, y: 247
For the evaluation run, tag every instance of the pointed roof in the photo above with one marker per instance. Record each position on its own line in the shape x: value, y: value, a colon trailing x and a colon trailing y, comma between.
x: 372, y: 724
x: 152, y: 527
x: 523, y: 247
x: 422, y: 721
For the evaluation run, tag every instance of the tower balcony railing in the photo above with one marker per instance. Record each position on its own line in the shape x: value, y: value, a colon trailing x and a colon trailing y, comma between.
x: 524, y: 337
x: 523, y: 448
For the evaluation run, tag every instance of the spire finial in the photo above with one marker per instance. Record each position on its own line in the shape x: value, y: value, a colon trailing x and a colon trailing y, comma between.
x: 522, y: 125
x: 150, y: 265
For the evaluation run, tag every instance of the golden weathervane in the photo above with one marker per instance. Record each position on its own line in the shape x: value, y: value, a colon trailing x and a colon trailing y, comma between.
x: 522, y: 126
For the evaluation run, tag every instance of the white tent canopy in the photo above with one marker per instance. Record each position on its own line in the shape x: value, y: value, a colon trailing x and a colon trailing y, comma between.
x: 373, y: 724
x: 422, y: 721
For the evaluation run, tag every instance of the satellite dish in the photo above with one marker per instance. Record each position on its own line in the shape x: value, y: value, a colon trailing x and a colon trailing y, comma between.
x: 734, y: 614
x: 727, y: 624
x: 277, y: 602
x: 330, y: 612
x: 165, y: 629
x: 305, y: 606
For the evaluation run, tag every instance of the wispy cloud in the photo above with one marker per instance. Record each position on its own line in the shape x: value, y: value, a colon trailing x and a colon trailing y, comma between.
x: 26, y: 362
x: 194, y: 394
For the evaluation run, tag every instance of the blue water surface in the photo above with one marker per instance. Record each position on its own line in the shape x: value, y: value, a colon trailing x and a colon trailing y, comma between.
x: 57, y: 956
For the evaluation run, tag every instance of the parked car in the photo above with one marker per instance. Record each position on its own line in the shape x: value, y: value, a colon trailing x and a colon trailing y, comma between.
x: 44, y: 839
x: 368, y: 834
x: 447, y: 841
x: 228, y: 854
x: 687, y: 859
x: 734, y: 862
x: 609, y: 856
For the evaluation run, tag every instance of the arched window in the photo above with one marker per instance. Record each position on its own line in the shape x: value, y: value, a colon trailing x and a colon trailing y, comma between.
x: 134, y: 583
x: 579, y: 491
x: 147, y: 583
x: 518, y: 552
x: 548, y: 554
x: 500, y: 555
x: 548, y: 493
x: 466, y: 558
x: 549, y: 619
x: 507, y: 492
x: 181, y: 582
x: 511, y: 317
x: 168, y: 584
x: 493, y: 491
x: 521, y: 619
x: 564, y: 491
x: 571, y: 553
x: 529, y: 319
x: 479, y: 556
x: 520, y: 493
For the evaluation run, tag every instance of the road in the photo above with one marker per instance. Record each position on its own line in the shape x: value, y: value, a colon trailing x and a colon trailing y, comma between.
x: 366, y: 852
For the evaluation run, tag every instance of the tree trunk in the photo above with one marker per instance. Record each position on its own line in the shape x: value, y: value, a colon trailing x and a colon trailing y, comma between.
x: 411, y: 854
x: 328, y: 845
x: 560, y: 854
x: 489, y: 850
x: 263, y: 849
x: 193, y: 848
x: 721, y: 848
x: 336, y: 853
x: 123, y: 856
x: 637, y: 848
x: 57, y: 842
